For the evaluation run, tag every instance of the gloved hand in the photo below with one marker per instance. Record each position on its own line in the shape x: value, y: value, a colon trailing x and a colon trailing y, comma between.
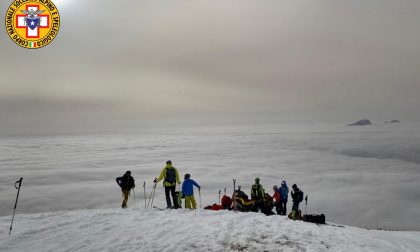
x: 155, y: 181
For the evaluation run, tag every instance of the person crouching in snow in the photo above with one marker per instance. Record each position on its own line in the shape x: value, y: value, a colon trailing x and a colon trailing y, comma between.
x: 188, y: 191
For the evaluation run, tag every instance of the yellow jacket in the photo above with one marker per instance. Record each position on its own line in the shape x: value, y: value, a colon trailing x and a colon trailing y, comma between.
x: 163, y: 176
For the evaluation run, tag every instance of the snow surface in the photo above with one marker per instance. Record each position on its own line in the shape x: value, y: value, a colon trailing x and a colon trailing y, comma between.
x: 137, y: 229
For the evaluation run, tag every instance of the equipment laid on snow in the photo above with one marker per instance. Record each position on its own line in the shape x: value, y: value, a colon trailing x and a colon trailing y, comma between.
x: 214, y: 207
x: 17, y: 197
x: 226, y: 202
x: 314, y: 218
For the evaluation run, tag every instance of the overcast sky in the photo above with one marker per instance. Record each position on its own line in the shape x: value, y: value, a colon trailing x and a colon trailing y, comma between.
x: 147, y: 62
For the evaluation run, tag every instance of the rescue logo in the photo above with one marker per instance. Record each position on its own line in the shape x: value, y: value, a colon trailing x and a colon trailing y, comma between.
x: 32, y: 23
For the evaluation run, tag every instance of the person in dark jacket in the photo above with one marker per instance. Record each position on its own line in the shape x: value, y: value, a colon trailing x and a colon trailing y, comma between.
x: 297, y: 196
x: 188, y: 191
x: 126, y: 182
x: 284, y: 193
x: 171, y: 178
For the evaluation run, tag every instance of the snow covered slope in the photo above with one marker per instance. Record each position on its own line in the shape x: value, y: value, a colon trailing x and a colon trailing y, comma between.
x: 137, y: 229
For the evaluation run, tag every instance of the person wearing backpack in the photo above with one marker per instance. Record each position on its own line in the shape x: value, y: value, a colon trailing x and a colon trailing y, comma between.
x: 188, y: 192
x: 297, y: 196
x: 257, y: 194
x: 284, y: 193
x: 171, y: 177
x: 126, y: 182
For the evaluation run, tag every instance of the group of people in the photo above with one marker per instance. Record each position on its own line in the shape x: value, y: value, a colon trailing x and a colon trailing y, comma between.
x: 170, y: 177
x: 279, y: 199
x: 260, y: 200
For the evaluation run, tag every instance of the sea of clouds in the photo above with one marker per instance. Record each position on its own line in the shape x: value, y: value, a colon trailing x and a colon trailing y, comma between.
x: 365, y: 176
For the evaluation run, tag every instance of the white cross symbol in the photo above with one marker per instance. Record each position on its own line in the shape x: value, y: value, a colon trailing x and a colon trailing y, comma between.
x: 43, y: 23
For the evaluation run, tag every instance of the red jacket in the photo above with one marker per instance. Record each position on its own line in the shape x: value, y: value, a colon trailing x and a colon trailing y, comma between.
x: 276, y: 196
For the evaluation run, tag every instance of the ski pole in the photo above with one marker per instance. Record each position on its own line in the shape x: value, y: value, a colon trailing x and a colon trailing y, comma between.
x: 234, y: 194
x: 151, y: 193
x: 134, y: 196
x: 17, y: 196
x: 153, y: 197
x: 220, y: 191
x: 145, y: 198
x: 199, y: 196
x: 306, y: 203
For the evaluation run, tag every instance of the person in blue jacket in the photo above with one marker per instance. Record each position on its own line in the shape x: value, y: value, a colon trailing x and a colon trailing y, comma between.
x: 188, y: 191
x: 284, y: 192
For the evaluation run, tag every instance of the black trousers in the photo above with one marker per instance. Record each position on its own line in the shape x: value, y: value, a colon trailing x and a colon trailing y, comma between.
x: 284, y: 210
x: 171, y: 190
x: 279, y: 207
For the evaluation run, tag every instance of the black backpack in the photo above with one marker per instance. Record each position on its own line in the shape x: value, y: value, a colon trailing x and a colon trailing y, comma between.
x: 314, y: 218
x: 300, y: 196
x: 170, y: 175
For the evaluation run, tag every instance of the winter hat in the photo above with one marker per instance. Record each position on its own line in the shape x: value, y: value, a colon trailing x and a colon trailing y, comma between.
x: 275, y: 187
x: 187, y: 176
x: 128, y: 172
x: 169, y: 162
x: 294, y: 186
x: 283, y: 182
x: 257, y: 180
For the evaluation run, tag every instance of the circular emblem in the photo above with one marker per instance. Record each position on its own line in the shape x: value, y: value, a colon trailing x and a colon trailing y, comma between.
x: 32, y: 24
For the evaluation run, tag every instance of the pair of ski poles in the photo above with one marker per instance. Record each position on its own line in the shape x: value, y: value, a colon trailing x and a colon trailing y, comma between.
x: 152, y: 195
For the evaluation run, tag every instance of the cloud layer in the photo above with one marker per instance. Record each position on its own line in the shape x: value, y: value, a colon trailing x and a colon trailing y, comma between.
x: 355, y: 175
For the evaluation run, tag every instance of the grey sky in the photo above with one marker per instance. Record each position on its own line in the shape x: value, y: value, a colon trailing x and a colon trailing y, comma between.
x: 146, y: 61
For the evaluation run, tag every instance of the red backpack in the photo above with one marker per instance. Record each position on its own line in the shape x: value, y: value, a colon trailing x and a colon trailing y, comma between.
x: 226, y: 202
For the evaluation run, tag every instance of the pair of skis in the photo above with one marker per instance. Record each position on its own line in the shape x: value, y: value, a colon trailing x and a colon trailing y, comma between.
x: 234, y: 194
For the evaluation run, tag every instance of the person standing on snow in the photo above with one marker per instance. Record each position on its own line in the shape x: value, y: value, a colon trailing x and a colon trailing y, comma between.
x: 188, y: 191
x: 284, y: 193
x: 297, y: 196
x: 277, y: 200
x: 171, y: 177
x: 126, y: 182
x: 257, y: 194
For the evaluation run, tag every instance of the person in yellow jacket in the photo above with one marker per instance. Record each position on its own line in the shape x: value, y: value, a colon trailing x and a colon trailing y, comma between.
x: 171, y: 177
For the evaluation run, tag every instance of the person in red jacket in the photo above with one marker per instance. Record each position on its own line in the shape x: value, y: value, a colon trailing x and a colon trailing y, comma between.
x: 277, y: 200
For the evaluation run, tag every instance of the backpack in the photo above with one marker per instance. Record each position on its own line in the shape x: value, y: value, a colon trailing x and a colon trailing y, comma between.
x: 300, y: 196
x: 314, y: 218
x: 170, y: 175
x: 125, y: 182
x: 226, y: 202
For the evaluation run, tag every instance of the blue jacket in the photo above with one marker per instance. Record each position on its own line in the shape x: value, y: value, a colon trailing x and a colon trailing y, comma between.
x: 187, y: 187
x: 284, y: 192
